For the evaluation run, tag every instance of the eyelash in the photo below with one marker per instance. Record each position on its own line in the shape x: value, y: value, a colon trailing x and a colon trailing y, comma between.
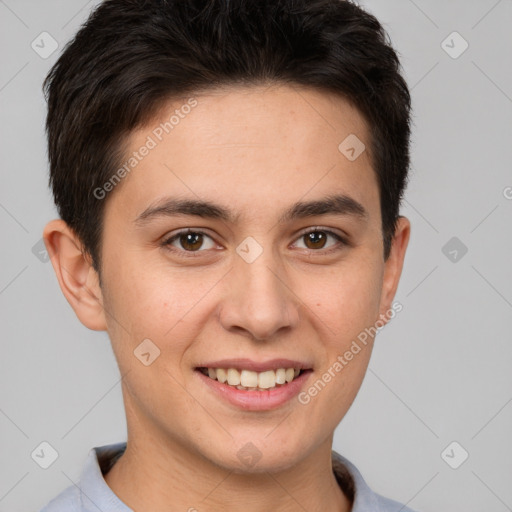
x: 166, y: 243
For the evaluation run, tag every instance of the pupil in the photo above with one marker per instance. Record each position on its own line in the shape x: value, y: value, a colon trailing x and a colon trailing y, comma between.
x: 189, y: 240
x: 315, y: 237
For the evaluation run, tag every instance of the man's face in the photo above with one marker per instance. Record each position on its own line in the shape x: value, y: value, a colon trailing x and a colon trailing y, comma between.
x: 251, y: 292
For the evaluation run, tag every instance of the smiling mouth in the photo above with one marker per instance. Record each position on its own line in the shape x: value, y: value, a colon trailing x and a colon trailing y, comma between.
x: 248, y: 380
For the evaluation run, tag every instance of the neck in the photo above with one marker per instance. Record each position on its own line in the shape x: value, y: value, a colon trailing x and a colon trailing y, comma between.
x: 168, y: 476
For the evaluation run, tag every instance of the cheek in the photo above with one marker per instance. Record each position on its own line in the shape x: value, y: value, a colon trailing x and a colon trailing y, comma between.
x: 167, y: 305
x: 346, y: 299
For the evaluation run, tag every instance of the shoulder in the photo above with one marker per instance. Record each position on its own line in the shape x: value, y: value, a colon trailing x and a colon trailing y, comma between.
x: 364, y: 499
x: 67, y: 501
x: 91, y: 493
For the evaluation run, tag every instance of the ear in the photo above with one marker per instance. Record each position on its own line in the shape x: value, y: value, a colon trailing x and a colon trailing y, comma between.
x: 393, y: 266
x: 77, y: 278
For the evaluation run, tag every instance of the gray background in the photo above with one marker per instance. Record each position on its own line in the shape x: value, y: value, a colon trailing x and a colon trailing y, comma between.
x: 441, y: 370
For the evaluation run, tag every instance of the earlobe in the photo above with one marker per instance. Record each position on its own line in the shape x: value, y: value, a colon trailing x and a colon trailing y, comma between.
x: 77, y: 278
x: 393, y: 266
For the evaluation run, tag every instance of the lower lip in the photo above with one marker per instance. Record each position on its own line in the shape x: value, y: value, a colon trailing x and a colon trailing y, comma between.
x: 256, y: 400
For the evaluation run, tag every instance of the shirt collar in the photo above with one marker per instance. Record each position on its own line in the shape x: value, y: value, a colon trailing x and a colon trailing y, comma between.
x: 353, y: 484
x: 97, y: 495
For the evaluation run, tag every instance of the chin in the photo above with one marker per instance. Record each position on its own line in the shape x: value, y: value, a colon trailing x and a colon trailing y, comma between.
x: 260, y: 455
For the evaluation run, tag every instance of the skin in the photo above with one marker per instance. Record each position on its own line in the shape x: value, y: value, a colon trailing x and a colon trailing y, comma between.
x: 256, y: 150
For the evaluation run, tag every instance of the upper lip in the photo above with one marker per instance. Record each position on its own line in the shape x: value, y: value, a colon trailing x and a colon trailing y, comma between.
x: 256, y: 366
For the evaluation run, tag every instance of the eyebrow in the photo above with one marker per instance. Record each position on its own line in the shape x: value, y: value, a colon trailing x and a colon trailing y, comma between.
x: 339, y: 204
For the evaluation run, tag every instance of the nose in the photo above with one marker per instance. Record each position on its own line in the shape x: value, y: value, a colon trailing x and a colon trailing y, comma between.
x: 259, y: 300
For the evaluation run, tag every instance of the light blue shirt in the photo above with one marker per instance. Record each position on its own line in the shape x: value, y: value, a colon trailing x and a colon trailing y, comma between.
x: 92, y: 494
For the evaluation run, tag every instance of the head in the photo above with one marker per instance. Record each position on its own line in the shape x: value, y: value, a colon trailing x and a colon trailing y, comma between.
x: 276, y: 135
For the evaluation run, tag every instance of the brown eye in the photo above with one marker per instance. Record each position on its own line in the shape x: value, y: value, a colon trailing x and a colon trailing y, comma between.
x: 189, y: 241
x: 317, y: 239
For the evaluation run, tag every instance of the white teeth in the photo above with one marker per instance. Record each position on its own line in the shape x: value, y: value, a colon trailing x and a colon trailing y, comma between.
x: 280, y: 376
x: 267, y: 379
x: 222, y: 375
x: 250, y: 380
x: 233, y: 377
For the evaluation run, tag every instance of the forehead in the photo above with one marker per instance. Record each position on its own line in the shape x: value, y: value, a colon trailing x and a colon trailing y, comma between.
x: 255, y: 116
x: 250, y: 146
